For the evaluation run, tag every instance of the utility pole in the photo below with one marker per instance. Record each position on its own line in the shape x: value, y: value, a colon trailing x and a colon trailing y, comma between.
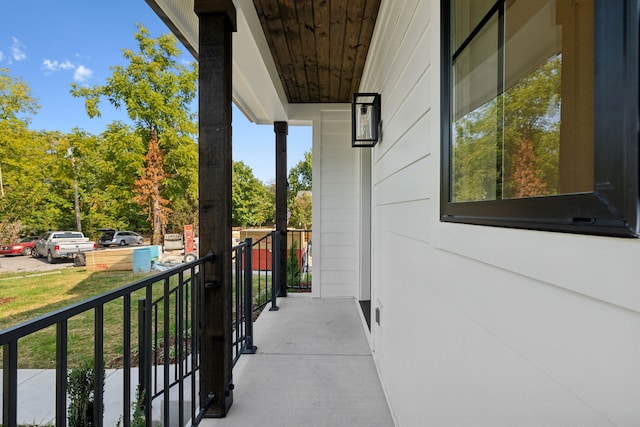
x: 76, y: 197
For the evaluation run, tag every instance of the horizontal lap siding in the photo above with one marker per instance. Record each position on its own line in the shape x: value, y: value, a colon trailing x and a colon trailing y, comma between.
x: 403, y: 160
x: 484, y: 326
x: 338, y: 207
x: 413, y: 226
x: 404, y: 194
x: 463, y: 343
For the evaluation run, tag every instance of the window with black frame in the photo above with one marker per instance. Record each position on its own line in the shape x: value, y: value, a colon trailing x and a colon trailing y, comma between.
x: 537, y: 97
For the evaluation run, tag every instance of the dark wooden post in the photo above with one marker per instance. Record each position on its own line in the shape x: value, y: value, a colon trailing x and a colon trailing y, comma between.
x: 281, y: 129
x: 217, y: 20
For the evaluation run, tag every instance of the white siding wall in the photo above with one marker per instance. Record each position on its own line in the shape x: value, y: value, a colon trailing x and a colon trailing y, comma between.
x: 482, y: 326
x: 335, y: 220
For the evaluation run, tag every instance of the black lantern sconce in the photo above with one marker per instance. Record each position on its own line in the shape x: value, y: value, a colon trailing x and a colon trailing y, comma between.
x: 366, y: 123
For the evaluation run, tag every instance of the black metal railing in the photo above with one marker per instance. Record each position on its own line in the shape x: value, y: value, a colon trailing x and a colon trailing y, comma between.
x: 299, y: 260
x: 172, y: 321
x: 298, y: 267
x: 242, y: 301
x: 263, y: 267
x: 166, y: 356
x: 168, y: 348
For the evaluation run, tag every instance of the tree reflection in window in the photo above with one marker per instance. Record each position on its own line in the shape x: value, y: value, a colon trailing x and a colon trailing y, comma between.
x: 527, y: 138
x: 520, y: 128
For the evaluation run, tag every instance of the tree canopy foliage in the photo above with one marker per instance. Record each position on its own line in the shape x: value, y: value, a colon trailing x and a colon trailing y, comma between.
x: 156, y: 91
x: 300, y: 176
x: 510, y: 146
x: 140, y: 176
x: 18, y: 155
x: 299, y: 197
x: 252, y: 203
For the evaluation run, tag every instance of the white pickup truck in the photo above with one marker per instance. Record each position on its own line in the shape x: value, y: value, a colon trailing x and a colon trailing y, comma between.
x: 63, y: 244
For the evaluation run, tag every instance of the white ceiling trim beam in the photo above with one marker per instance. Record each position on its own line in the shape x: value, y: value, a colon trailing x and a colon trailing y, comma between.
x: 257, y: 89
x: 181, y: 20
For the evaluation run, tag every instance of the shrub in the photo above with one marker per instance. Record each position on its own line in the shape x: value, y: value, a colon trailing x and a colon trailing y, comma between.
x: 293, y: 267
x: 81, y: 391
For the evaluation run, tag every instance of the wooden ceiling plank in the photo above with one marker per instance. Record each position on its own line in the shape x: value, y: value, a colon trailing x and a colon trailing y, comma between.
x: 307, y: 30
x: 338, y: 18
x: 353, y: 27
x: 321, y: 14
x: 370, y: 15
x: 290, y: 21
x: 319, y: 46
x: 270, y: 18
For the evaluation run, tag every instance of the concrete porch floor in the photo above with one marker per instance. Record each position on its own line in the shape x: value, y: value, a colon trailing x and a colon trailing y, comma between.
x: 313, y: 367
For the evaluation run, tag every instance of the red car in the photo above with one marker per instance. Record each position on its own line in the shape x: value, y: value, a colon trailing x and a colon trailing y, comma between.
x: 23, y: 247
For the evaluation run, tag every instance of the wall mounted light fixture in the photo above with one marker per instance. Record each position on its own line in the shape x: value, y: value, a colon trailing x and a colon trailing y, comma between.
x: 366, y: 123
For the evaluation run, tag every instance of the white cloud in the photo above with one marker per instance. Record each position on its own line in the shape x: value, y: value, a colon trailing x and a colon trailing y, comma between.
x: 82, y: 74
x: 55, y: 65
x: 17, y: 50
x: 50, y: 65
x: 1, y: 56
x: 67, y: 65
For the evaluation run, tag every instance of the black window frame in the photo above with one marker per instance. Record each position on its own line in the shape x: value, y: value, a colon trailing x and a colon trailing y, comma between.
x: 612, y: 208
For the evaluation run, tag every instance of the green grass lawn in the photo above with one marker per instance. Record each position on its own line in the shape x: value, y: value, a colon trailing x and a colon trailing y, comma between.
x: 25, y: 296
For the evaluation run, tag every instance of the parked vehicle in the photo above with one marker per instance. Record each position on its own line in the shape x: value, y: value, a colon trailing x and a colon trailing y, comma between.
x: 63, y: 244
x: 124, y: 237
x: 23, y: 247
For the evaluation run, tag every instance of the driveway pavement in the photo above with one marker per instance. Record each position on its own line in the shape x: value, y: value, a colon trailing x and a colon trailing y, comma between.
x: 28, y: 263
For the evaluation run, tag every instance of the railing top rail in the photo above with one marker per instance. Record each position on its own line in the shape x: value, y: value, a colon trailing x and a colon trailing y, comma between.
x: 20, y: 330
x: 265, y: 237
x: 240, y: 245
x: 269, y: 234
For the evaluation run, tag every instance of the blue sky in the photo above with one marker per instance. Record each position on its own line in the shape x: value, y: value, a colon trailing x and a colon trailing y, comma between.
x: 51, y: 43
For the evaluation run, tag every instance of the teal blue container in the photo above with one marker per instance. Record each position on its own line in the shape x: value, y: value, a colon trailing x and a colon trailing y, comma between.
x: 142, y: 260
x: 155, y: 251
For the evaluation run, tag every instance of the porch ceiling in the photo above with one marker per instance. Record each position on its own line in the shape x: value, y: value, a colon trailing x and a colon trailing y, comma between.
x: 318, y: 47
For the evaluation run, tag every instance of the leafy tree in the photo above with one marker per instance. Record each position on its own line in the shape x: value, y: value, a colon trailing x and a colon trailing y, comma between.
x: 509, y: 147
x: 34, y: 184
x: 70, y: 176
x: 532, y: 133
x: 525, y: 178
x: 301, y: 211
x: 474, y: 164
x: 300, y: 176
x: 57, y: 175
x: 16, y: 102
x: 299, y: 197
x: 271, y: 202
x: 251, y: 200
x: 147, y: 189
x: 156, y: 91
x: 184, y: 212
x: 22, y: 163
x: 17, y: 153
x: 120, y: 162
